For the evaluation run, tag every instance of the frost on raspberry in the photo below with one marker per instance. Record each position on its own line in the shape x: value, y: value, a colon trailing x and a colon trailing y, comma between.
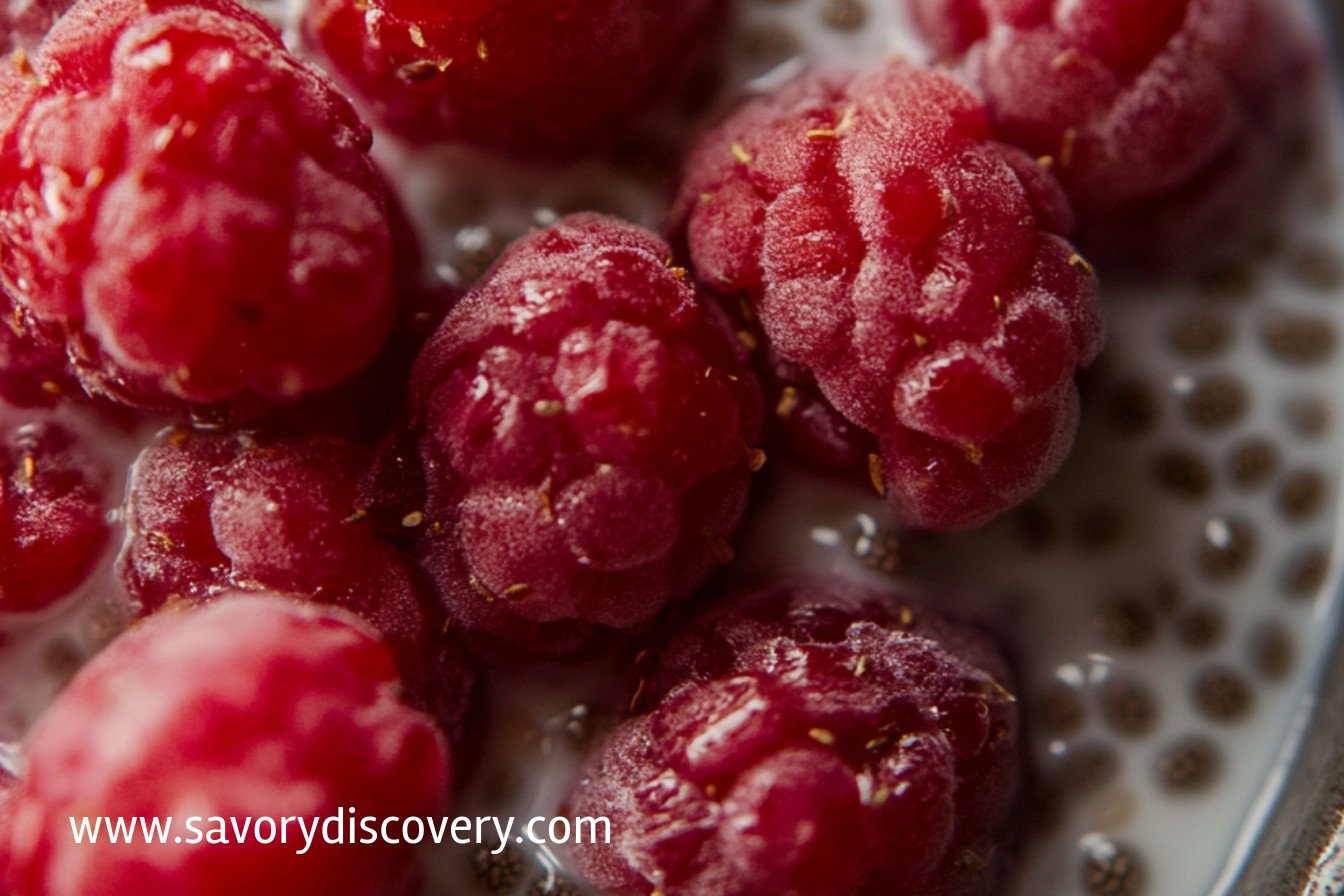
x: 190, y: 214
x: 253, y: 706
x: 1172, y: 123
x: 790, y: 727
x: 53, y: 506
x: 582, y: 431
x: 536, y: 78
x: 914, y: 269
x: 212, y: 514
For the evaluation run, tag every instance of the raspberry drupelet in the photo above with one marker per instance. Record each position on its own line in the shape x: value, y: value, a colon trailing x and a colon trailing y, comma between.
x: 32, y: 376
x: 1172, y: 123
x: 53, y: 507
x: 582, y: 430
x: 812, y: 740
x: 535, y: 78
x: 211, y: 514
x: 254, y: 706
x: 148, y: 241
x: 23, y: 23
x: 912, y: 268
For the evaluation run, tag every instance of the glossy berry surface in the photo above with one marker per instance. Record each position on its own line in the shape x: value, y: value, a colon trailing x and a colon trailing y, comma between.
x: 210, y: 514
x: 582, y: 429
x: 145, y: 239
x: 532, y: 77
x: 809, y: 740
x: 1171, y: 122
x: 182, y: 716
x: 53, y: 506
x: 914, y: 269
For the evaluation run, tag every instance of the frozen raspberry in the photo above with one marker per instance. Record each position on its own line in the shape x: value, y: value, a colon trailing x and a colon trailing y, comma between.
x: 189, y: 212
x: 254, y: 706
x: 793, y: 726
x: 582, y: 425
x: 210, y: 514
x: 53, y: 523
x: 914, y: 269
x: 533, y: 77
x: 1170, y: 122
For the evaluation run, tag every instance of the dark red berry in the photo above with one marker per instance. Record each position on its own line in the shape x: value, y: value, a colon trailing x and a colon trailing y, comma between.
x: 189, y: 212
x: 911, y: 267
x: 253, y: 706
x: 1172, y: 123
x: 582, y: 427
x: 211, y: 514
x: 534, y: 77
x: 814, y: 740
x: 53, y: 515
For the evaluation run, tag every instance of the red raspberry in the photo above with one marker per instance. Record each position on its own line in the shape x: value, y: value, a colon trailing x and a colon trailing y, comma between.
x: 583, y: 423
x: 53, y: 524
x: 795, y: 725
x: 1170, y: 122
x: 913, y: 268
x: 210, y: 514
x: 534, y: 77
x: 189, y: 211
x: 253, y: 706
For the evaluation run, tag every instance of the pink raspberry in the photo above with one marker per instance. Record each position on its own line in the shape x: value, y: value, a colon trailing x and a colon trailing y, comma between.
x: 581, y: 428
x: 208, y: 515
x: 190, y: 213
x: 914, y: 269
x: 254, y: 706
x: 534, y: 77
x: 1171, y: 122
x: 793, y: 726
x: 53, y: 524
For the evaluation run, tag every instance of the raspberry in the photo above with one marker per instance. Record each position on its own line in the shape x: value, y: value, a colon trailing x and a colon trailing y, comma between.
x: 534, y: 77
x: 913, y: 268
x: 53, y: 526
x: 797, y: 724
x: 147, y: 241
x: 183, y: 717
x: 210, y: 514
x: 1170, y: 122
x: 579, y: 428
